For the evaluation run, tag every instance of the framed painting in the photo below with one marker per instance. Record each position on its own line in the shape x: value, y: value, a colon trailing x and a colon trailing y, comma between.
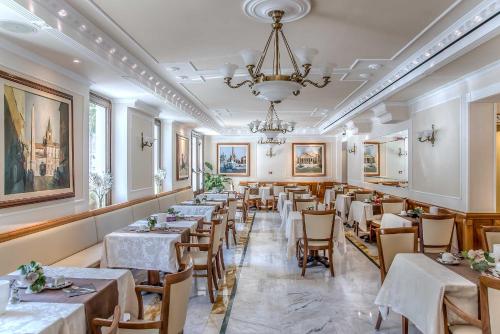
x: 37, y: 151
x: 233, y: 159
x: 308, y: 159
x: 371, y: 163
x: 182, y: 161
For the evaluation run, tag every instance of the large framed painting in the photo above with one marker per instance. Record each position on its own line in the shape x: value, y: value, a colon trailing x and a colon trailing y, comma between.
x: 308, y: 159
x: 182, y: 161
x: 371, y: 163
x: 37, y: 151
x: 233, y: 159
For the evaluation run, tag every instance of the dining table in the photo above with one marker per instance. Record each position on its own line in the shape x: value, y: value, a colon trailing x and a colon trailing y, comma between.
x: 222, y: 197
x: 361, y: 213
x: 55, y: 312
x: 282, y: 196
x: 342, y: 206
x: 206, y: 211
x: 285, y: 211
x: 416, y: 284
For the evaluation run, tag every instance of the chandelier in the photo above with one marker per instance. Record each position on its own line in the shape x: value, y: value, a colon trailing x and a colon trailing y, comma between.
x: 276, y: 86
x: 271, y: 127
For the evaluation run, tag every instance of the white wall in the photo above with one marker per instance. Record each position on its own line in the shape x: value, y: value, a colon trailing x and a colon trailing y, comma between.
x: 279, y: 167
x: 13, y: 63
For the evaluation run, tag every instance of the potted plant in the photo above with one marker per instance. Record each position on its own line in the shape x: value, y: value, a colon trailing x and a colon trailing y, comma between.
x: 152, y: 221
x: 171, y: 215
x: 479, y: 260
x: 100, y: 185
x: 32, y: 276
x: 159, y: 177
x: 212, y: 180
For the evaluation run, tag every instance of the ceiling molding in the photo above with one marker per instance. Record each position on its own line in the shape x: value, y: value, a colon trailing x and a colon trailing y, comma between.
x: 83, y: 32
x: 478, y: 25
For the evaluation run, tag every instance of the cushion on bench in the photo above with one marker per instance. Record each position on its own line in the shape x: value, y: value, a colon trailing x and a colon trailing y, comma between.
x: 87, y: 258
x: 166, y: 202
x: 184, y: 195
x: 112, y: 221
x: 145, y: 209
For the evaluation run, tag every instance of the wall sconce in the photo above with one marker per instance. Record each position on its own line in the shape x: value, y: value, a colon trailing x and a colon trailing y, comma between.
x: 427, y: 135
x: 270, y: 153
x: 352, y: 150
x: 145, y: 143
x: 402, y: 153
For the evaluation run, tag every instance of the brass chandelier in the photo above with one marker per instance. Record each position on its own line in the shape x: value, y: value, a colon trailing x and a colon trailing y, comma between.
x: 276, y: 86
x: 271, y: 127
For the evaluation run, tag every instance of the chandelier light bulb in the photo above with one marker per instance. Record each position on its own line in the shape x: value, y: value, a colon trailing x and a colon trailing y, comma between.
x: 227, y: 70
x: 250, y: 56
x: 327, y: 70
x: 305, y: 55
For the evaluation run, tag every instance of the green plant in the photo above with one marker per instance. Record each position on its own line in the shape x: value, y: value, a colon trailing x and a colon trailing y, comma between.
x: 171, y: 211
x: 213, y: 180
x: 152, y: 222
x: 479, y: 260
x: 33, y: 276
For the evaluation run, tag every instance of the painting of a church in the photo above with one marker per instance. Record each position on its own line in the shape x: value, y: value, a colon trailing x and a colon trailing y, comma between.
x: 232, y: 159
x: 37, y: 144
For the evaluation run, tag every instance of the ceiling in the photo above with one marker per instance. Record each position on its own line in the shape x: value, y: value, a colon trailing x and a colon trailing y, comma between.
x: 194, y: 38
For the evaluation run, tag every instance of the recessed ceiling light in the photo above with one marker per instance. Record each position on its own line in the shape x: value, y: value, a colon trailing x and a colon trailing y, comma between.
x: 157, y: 83
x: 134, y: 66
x: 17, y: 27
x: 112, y: 51
x: 77, y: 61
x: 143, y: 72
x: 182, y: 77
x: 374, y: 66
x: 173, y: 68
x: 427, y: 54
x: 151, y: 77
x: 124, y: 58
x: 83, y: 27
x: 62, y: 13
x: 98, y: 40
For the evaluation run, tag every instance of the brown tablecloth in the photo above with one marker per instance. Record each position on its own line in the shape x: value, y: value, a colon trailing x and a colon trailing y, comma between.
x: 463, y: 269
x: 99, y: 304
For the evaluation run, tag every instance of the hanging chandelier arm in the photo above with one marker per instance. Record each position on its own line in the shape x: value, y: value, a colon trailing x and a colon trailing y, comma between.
x: 326, y: 81
x: 290, y: 53
x: 238, y: 85
x: 264, y: 53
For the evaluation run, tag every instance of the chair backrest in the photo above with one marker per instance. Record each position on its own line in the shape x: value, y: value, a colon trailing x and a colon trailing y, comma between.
x: 177, y: 289
x: 304, y: 187
x: 216, y: 235
x: 362, y: 195
x: 299, y: 194
x: 232, y: 205
x: 392, y: 241
x: 278, y: 189
x: 436, y: 232
x: 223, y: 216
x: 291, y: 192
x: 318, y: 225
x: 490, y: 236
x: 304, y: 204
x: 392, y: 205
x: 489, y: 288
x: 246, y: 194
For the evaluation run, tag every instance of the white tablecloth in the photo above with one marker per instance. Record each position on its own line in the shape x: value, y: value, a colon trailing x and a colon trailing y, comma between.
x: 415, y: 286
x: 264, y: 193
x: 361, y: 213
x: 281, y: 199
x: 214, y: 196
x: 285, y: 211
x: 148, y: 251
x: 391, y: 220
x: 329, y: 196
x: 196, y: 210
x: 293, y: 232
x: 62, y: 318
x: 342, y: 205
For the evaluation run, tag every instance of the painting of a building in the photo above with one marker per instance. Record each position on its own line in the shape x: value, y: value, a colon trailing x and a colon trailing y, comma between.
x: 232, y: 159
x: 308, y: 159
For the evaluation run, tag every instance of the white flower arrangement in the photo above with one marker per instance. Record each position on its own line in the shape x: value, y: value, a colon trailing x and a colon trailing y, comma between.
x: 33, y: 276
x: 100, y: 185
x: 159, y: 177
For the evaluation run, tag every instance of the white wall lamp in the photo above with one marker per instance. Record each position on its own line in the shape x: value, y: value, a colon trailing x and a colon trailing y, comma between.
x: 402, y: 153
x: 427, y: 136
x: 145, y: 143
x: 270, y: 153
x: 352, y: 150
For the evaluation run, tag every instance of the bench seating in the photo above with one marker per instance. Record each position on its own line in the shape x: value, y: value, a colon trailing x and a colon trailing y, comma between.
x: 76, y: 241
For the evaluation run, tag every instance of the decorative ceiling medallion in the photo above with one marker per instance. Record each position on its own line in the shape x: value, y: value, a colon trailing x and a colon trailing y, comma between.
x: 260, y: 9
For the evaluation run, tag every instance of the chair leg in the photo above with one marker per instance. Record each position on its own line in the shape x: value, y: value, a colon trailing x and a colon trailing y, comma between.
x: 379, y: 321
x: 217, y: 265
x: 330, y: 260
x: 233, y: 227
x: 214, y: 277
x: 304, y: 261
x: 221, y: 258
x: 227, y: 235
x: 209, y: 283
x: 404, y: 323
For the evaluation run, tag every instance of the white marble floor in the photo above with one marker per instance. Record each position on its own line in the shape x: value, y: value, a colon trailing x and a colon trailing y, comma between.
x: 272, y: 297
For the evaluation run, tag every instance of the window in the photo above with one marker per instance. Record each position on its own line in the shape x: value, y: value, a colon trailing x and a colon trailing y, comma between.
x: 157, y: 156
x: 99, y: 145
x: 197, y: 161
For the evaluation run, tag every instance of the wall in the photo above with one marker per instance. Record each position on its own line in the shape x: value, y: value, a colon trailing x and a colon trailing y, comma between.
x: 31, y: 70
x: 279, y: 167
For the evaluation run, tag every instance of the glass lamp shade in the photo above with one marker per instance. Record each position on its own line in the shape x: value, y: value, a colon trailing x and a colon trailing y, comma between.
x: 327, y: 70
x: 276, y: 90
x: 305, y: 55
x: 227, y: 70
x: 250, y: 56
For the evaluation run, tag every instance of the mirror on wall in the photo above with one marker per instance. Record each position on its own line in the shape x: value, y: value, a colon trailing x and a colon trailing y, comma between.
x: 386, y: 160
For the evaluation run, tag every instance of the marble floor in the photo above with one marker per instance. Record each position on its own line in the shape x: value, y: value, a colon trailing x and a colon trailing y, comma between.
x: 270, y: 296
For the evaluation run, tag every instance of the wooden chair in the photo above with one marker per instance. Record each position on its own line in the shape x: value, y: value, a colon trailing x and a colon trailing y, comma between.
x: 489, y: 296
x: 317, y: 234
x: 291, y: 192
x: 175, y: 299
x: 387, y: 205
x: 205, y: 255
x: 231, y: 220
x: 362, y: 195
x: 390, y: 242
x: 436, y: 232
x: 300, y: 204
x: 299, y: 194
x: 251, y: 200
x: 490, y: 235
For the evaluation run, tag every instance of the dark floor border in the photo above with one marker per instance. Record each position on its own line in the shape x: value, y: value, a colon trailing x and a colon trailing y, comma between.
x: 225, y: 321
x: 366, y: 255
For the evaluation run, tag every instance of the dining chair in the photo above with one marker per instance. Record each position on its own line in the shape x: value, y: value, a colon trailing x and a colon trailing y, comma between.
x: 390, y: 242
x: 436, y: 232
x: 317, y: 234
x: 299, y: 194
x: 489, y: 297
x: 174, y: 304
x: 231, y: 220
x: 292, y: 192
x: 387, y: 205
x: 362, y: 195
x: 203, y: 255
x: 251, y: 200
x: 300, y: 204
x: 490, y: 235
x: 304, y: 187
